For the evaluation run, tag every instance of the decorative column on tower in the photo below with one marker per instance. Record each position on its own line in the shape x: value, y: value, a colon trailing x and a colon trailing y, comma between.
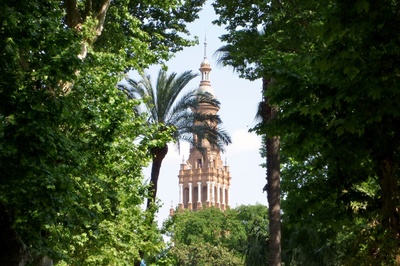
x: 190, y: 206
x: 204, y: 175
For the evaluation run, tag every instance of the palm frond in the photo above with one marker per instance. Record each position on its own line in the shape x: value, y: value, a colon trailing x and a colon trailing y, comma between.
x: 224, y: 55
x: 167, y: 105
x: 205, y: 127
x: 170, y: 90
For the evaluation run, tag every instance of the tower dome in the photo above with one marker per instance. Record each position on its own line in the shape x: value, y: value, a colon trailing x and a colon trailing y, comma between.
x: 205, y: 63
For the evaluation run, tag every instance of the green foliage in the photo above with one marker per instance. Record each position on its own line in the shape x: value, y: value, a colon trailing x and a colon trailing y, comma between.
x: 254, y: 246
x: 71, y: 145
x: 212, y: 237
x: 210, y: 225
x: 349, y: 132
x: 205, y: 254
x: 245, y: 38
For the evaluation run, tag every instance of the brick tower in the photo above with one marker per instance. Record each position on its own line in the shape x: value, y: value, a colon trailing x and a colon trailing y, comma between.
x: 204, y: 180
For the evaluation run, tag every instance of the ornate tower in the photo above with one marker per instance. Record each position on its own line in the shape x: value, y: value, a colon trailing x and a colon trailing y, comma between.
x: 204, y: 180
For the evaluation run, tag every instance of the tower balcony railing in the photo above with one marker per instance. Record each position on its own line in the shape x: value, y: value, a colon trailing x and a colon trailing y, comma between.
x: 222, y: 171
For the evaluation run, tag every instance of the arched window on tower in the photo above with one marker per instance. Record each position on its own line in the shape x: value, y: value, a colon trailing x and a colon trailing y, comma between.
x: 195, y: 197
x: 215, y: 199
x: 226, y: 197
x: 185, y: 197
x: 221, y: 195
x: 204, y: 194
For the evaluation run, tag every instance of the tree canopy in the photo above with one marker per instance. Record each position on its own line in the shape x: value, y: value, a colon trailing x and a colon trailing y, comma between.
x: 212, y: 237
x: 71, y: 145
x: 335, y: 69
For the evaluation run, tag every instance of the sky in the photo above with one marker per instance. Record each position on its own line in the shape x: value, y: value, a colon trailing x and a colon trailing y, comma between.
x: 239, y: 99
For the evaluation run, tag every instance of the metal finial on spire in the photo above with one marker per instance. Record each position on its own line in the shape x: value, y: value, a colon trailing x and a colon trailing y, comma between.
x: 226, y: 161
x: 205, y: 46
x: 183, y: 159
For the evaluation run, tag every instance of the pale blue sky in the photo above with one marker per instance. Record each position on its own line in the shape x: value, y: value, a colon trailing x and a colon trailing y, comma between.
x: 239, y: 99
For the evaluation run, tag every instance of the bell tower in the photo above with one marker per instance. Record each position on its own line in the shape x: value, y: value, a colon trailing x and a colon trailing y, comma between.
x: 204, y: 179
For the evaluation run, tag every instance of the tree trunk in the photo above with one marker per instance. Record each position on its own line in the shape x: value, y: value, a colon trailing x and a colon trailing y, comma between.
x: 274, y: 201
x: 12, y: 250
x: 273, y: 183
x: 390, y: 207
x: 158, y: 156
x: 389, y: 194
x: 74, y: 20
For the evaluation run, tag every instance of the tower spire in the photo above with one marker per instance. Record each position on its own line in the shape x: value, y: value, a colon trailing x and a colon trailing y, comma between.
x: 205, y: 68
x: 205, y: 46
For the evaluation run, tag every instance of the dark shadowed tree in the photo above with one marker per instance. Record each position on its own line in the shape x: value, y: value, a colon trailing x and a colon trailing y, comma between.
x: 335, y: 68
x: 242, y: 54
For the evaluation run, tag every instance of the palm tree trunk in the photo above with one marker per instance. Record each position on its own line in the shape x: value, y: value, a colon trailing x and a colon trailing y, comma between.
x: 158, y: 156
x: 389, y: 195
x: 273, y: 183
x: 274, y: 201
x: 390, y: 209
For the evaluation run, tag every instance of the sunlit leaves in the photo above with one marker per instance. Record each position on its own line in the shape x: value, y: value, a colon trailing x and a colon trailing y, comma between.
x: 72, y: 146
x: 210, y: 236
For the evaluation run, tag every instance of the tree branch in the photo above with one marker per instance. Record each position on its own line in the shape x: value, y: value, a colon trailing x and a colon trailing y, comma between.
x: 101, y: 16
x: 73, y: 17
x: 74, y: 20
x: 88, y: 8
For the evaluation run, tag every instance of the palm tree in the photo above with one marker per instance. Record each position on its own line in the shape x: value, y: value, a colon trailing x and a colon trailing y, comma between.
x: 269, y: 113
x: 165, y: 108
